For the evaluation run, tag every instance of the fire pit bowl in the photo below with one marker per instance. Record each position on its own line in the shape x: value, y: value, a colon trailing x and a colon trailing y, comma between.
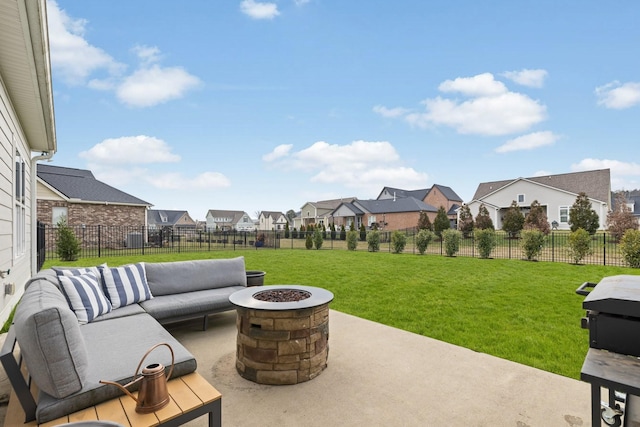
x: 283, y: 333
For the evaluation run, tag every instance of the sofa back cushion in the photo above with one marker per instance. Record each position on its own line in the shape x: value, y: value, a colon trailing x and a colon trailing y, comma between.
x: 50, y: 340
x: 168, y: 278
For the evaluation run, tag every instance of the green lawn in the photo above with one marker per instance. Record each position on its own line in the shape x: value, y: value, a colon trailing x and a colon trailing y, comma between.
x: 526, y: 312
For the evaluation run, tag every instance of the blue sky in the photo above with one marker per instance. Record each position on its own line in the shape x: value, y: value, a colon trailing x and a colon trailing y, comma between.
x: 265, y: 105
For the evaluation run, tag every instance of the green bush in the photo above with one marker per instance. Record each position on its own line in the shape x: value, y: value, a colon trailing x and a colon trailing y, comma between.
x: 343, y: 233
x: 532, y: 243
x: 423, y: 238
x: 363, y: 233
x: 68, y: 246
x: 352, y: 240
x: 485, y: 241
x: 451, y: 239
x: 294, y: 233
x: 398, y: 241
x: 441, y: 223
x: 579, y: 245
x: 308, y: 243
x: 373, y: 241
x: 318, y: 238
x: 630, y: 247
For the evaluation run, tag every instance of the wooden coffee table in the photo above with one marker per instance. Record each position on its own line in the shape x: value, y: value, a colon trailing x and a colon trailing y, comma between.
x: 191, y: 397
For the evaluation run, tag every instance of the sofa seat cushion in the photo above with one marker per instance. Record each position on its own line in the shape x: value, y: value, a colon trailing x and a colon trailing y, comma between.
x: 187, y: 304
x: 50, y: 340
x: 127, y: 310
x: 115, y: 348
x: 167, y: 278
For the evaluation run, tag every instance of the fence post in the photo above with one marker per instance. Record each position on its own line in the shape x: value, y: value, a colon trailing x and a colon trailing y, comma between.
x: 142, y: 238
x: 509, y: 240
x: 99, y: 240
x: 604, y: 248
x: 553, y: 246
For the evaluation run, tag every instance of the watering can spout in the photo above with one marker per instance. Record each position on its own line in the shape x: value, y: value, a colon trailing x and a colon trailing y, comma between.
x: 124, y: 387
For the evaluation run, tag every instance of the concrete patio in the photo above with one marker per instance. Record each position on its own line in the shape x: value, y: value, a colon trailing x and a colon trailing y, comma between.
x: 382, y: 376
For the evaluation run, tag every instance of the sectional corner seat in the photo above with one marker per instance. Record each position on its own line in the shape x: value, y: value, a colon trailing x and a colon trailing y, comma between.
x: 75, y: 327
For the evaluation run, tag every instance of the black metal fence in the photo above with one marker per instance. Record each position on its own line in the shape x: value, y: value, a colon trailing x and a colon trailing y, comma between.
x: 105, y: 241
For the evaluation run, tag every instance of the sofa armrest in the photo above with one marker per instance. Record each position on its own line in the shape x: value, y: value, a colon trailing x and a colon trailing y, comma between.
x: 19, y: 383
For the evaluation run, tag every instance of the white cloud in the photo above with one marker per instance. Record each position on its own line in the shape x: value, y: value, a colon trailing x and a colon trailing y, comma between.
x: 155, y: 85
x: 542, y: 173
x: 480, y: 85
x: 72, y: 57
x: 259, y: 10
x: 301, y: 2
x: 528, y: 142
x: 147, y: 54
x: 176, y: 181
x: 279, y: 152
x: 619, y: 96
x: 130, y: 150
x: 530, y: 78
x: 390, y: 112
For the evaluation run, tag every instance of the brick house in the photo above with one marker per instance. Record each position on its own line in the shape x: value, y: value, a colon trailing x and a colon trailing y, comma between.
x: 82, y: 199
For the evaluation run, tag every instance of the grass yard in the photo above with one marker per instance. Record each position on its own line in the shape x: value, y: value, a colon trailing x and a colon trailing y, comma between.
x: 527, y: 312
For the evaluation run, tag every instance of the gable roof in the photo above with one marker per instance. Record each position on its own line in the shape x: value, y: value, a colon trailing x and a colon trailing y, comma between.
x: 447, y: 192
x: 331, y: 204
x: 400, y: 193
x: 272, y: 214
x: 404, y: 204
x: 80, y: 185
x: 156, y: 216
x: 596, y: 184
x: 234, y: 216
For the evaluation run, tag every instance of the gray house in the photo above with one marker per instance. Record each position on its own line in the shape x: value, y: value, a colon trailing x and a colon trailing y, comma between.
x: 177, y: 220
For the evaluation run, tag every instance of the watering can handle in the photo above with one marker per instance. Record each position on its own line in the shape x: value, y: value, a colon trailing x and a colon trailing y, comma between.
x: 149, y: 351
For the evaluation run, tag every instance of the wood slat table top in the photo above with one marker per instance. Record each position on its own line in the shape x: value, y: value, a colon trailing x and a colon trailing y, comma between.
x: 187, y: 393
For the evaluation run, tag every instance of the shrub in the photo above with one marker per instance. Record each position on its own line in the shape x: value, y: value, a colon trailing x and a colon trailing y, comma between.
x: 513, y: 220
x: 424, y: 223
x: 483, y: 219
x: 398, y: 241
x: 441, y: 222
x: 352, y: 240
x: 630, y: 247
x: 333, y: 231
x: 317, y: 238
x: 294, y: 233
x: 373, y: 241
x: 363, y: 233
x: 465, y: 223
x: 537, y: 219
x: 423, y: 238
x: 303, y: 232
x: 68, y: 246
x: 286, y: 231
x: 451, y: 240
x: 485, y: 241
x: 532, y: 243
x: 621, y: 218
x: 582, y: 216
x: 579, y: 245
x: 343, y: 232
x: 308, y: 243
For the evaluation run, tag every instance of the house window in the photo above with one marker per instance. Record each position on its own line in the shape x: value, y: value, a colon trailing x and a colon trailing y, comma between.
x: 20, y: 220
x: 520, y: 198
x: 59, y: 213
x: 564, y: 214
x: 372, y: 219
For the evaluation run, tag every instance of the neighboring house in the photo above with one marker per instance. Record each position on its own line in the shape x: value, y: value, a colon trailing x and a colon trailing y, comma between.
x: 76, y: 195
x: 437, y: 195
x: 221, y: 220
x: 319, y: 213
x: 555, y: 193
x: 385, y: 214
x: 268, y: 221
x: 27, y: 135
x: 633, y: 201
x: 177, y: 220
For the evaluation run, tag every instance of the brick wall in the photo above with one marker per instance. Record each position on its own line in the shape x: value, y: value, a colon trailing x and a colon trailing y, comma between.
x: 93, y: 214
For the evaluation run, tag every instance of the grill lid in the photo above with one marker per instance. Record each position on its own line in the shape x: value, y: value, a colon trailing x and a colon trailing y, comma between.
x: 618, y: 295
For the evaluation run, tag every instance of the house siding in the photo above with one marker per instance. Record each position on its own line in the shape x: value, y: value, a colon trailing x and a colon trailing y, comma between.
x: 94, y: 214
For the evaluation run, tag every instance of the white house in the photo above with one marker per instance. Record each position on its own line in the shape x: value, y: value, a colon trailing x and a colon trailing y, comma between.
x: 27, y: 134
x: 555, y: 193
x: 270, y: 221
x: 224, y: 220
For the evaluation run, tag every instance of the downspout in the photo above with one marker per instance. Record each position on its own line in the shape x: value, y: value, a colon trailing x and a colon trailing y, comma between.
x: 34, y: 208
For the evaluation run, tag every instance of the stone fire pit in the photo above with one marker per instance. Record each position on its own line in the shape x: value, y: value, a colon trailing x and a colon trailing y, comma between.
x: 283, y: 333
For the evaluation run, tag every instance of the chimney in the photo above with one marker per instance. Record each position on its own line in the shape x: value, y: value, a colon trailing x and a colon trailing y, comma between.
x: 394, y: 196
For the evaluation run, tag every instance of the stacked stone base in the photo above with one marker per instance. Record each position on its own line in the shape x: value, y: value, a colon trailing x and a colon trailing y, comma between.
x: 281, y: 347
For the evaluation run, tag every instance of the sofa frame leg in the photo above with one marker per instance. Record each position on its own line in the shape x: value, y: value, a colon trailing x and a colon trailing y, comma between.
x: 205, y: 322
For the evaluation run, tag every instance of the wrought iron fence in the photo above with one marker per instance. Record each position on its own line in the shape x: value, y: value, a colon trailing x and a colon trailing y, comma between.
x: 105, y: 241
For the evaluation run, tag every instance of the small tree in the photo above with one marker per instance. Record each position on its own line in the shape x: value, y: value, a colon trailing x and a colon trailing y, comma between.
x: 441, y: 222
x: 363, y: 233
x: 537, y: 219
x: 398, y: 241
x: 294, y: 233
x: 630, y: 248
x: 308, y: 241
x: 532, y: 244
x: 582, y: 216
x: 373, y: 241
x: 286, y: 230
x: 317, y: 238
x: 303, y: 232
x: 324, y: 231
x: 483, y: 219
x: 352, y: 240
x: 485, y: 241
x: 465, y: 221
x: 333, y: 231
x: 424, y: 223
x: 451, y: 240
x: 579, y: 245
x: 513, y: 220
x: 343, y: 232
x: 423, y: 238
x: 621, y: 218
x: 68, y: 245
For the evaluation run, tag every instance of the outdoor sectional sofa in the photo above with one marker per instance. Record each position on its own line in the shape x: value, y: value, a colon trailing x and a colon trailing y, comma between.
x: 75, y: 327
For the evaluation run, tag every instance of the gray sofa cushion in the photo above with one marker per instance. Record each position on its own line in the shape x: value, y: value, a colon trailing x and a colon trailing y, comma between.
x: 186, y: 304
x: 167, y: 278
x: 50, y: 340
x: 128, y: 310
x: 115, y: 348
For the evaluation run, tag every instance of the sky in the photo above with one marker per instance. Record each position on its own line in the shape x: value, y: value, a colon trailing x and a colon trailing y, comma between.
x: 266, y: 105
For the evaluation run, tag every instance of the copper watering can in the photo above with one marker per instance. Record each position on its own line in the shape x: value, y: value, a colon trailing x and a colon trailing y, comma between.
x: 153, y: 394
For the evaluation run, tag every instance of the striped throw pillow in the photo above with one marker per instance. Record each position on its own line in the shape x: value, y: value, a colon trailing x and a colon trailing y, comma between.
x: 70, y: 271
x: 126, y: 285
x: 85, y: 296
